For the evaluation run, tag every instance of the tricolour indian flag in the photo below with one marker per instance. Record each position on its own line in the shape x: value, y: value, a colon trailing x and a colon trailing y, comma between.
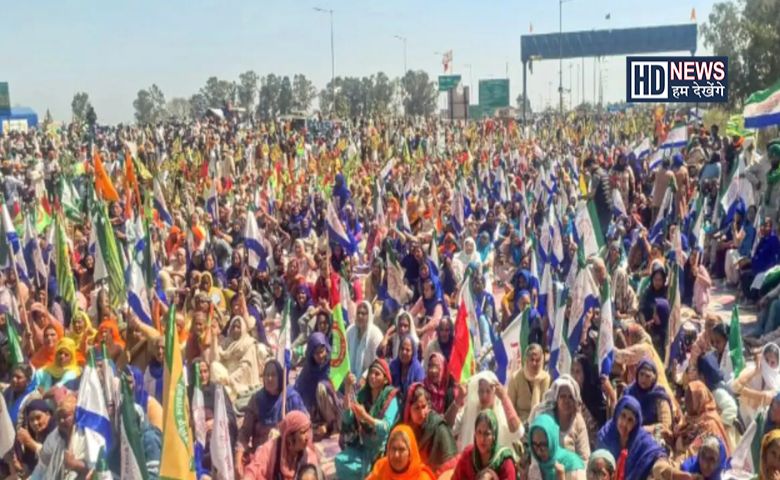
x: 176, y: 460
x: 762, y: 109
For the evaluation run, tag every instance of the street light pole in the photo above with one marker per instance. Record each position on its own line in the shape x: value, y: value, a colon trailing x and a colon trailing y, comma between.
x: 560, y: 53
x: 403, y: 39
x: 332, y: 57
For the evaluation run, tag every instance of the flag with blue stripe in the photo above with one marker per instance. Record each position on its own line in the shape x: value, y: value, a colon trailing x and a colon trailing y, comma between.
x: 91, y: 412
x: 336, y: 231
x: 160, y: 205
x: 257, y: 254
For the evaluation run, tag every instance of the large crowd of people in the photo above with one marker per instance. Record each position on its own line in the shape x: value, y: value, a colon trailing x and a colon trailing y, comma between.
x: 511, y: 300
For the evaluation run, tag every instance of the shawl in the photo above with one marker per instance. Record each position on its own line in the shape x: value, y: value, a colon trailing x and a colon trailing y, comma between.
x: 113, y: 328
x: 45, y: 355
x: 414, y: 372
x: 592, y: 395
x: 313, y: 374
x: 691, y: 464
x: 412, y: 332
x: 703, y: 414
x: 377, y: 408
x: 362, y: 349
x: 642, y: 450
x: 649, y: 398
x: 472, y: 409
x: 437, y: 387
x: 273, y: 461
x: 556, y: 453
x: 436, y: 448
x: 499, y: 452
x: 269, y: 407
x: 416, y: 468
x: 57, y: 371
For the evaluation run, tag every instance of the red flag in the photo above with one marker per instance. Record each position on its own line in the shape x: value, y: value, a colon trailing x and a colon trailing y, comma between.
x: 461, y: 362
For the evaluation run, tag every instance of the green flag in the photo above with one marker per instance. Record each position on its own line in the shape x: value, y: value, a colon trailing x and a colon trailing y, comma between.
x: 16, y: 356
x: 131, y: 450
x: 339, y: 354
x: 736, y: 350
x: 106, y: 249
x: 64, y: 273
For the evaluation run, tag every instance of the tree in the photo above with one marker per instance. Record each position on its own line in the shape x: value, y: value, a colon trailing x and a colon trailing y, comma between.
x: 179, y: 108
x: 48, y: 119
x: 382, y: 95
x: 247, y: 89
x: 748, y: 32
x: 303, y: 93
x: 520, y: 102
x: 419, y: 93
x: 198, y: 105
x: 268, y: 101
x: 285, y: 101
x: 149, y: 105
x: 218, y: 93
x: 91, y: 116
x: 79, y: 106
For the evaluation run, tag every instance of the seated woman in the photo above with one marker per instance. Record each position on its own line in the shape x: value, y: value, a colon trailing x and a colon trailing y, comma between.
x: 601, y: 466
x: 711, y: 461
x: 20, y: 392
x: 437, y: 445
x: 639, y: 346
x: 403, y: 326
x: 429, y: 310
x: 405, y: 368
x: 770, y: 456
x: 701, y: 419
x: 596, y: 393
x: 236, y: 363
x: 44, y: 354
x: 710, y: 374
x: 548, y: 455
x: 442, y: 343
x: 283, y: 457
x: 639, y: 455
x: 264, y: 412
x: 480, y: 395
x: 38, y: 423
x: 366, y: 422
x: 563, y: 403
x: 528, y: 384
x: 363, y: 338
x: 82, y: 333
x: 655, y: 400
x: 758, y: 384
x: 316, y: 389
x: 438, y: 384
x: 64, y: 371
x: 485, y: 451
x: 402, y: 460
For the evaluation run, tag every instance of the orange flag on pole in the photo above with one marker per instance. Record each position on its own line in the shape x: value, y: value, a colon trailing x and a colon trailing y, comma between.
x: 103, y: 185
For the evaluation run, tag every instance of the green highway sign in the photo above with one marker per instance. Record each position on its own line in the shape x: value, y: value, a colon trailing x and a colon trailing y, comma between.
x: 448, y: 82
x: 494, y: 93
x: 5, y: 98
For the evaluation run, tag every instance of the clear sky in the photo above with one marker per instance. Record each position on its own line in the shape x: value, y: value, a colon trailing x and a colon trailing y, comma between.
x: 111, y: 49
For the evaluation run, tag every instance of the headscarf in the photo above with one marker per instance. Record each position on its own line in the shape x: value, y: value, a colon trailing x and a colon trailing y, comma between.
x: 550, y: 400
x: 341, y: 190
x: 388, y: 393
x: 85, y: 337
x: 269, y: 407
x: 709, y: 370
x: 703, y: 413
x: 313, y: 374
x: 412, y: 332
x: 437, y: 387
x: 663, y: 310
x: 691, y: 464
x: 362, y: 350
x: 467, y: 258
x: 642, y: 450
x: 114, y: 328
x: 236, y: 349
x: 649, y: 398
x: 765, y: 443
x: 286, y: 467
x: 45, y: 355
x: 140, y: 395
x: 416, y: 468
x: 771, y: 377
x: 499, y: 452
x: 57, y: 371
x: 28, y: 457
x: 414, y: 372
x: 446, y: 347
x: 557, y: 454
x: 592, y: 395
x: 486, y: 247
x: 472, y: 409
x: 602, y: 454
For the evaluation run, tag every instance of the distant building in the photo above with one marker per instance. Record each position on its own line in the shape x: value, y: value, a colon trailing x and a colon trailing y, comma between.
x: 18, y: 119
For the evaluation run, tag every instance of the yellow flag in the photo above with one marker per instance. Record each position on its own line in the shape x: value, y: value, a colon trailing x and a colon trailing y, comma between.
x: 583, y: 184
x: 176, y: 461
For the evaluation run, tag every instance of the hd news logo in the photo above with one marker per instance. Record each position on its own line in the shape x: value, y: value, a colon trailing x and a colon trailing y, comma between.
x: 677, y: 79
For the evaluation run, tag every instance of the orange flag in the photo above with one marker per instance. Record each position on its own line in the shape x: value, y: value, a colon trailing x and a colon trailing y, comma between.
x: 103, y: 185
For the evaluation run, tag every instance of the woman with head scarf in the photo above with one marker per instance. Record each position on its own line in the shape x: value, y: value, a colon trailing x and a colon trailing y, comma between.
x: 549, y: 455
x: 757, y: 384
x: 405, y: 368
x: 529, y: 383
x: 402, y: 460
x: 437, y: 445
x: 40, y: 319
x: 82, y: 333
x: 363, y: 340
x: 652, y: 288
x: 20, y: 391
x: 61, y: 371
x: 315, y: 387
x: 237, y: 361
x: 366, y: 421
x: 442, y: 344
x: 150, y: 406
x: 702, y: 418
x: 403, y: 326
x: 655, y: 400
x: 484, y: 451
x: 438, y: 383
x: 485, y: 392
x: 564, y: 404
x: 283, y: 457
x: 302, y: 307
x: 638, y: 455
x: 153, y: 375
x: 710, y: 462
x: 769, y: 469
x: 44, y: 354
x: 264, y: 411
x: 601, y: 466
x: 38, y: 424
x: 709, y: 372
x: 594, y: 399
x: 108, y: 333
x: 468, y: 254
